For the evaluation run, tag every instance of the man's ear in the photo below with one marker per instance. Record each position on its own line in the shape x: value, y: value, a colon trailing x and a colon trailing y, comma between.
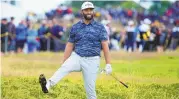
x: 81, y: 12
x: 94, y: 12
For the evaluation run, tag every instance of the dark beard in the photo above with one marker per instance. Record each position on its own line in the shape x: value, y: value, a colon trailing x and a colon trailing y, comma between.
x: 87, y: 18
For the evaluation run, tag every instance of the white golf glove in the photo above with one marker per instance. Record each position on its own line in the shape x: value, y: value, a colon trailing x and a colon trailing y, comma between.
x: 108, y: 69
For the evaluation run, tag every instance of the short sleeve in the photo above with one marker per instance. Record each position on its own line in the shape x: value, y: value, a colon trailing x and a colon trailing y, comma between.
x: 71, y: 36
x: 103, y: 34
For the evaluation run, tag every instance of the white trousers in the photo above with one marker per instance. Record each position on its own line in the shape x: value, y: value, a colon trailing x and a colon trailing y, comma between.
x: 75, y: 63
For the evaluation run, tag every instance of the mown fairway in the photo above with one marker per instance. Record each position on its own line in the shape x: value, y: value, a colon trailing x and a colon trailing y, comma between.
x: 148, y: 75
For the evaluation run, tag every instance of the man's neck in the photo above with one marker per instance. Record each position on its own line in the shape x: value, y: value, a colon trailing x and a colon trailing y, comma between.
x: 86, y: 21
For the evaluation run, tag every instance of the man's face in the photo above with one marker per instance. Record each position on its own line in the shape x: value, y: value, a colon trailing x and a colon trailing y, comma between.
x: 88, y: 13
x: 4, y: 21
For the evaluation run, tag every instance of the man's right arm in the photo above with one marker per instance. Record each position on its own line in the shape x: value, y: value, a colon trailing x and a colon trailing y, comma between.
x: 68, y: 51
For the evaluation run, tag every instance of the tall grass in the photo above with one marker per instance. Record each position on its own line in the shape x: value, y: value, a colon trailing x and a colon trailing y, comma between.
x: 148, y: 75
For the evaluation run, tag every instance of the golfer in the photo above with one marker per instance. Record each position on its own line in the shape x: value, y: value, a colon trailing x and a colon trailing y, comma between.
x: 82, y: 52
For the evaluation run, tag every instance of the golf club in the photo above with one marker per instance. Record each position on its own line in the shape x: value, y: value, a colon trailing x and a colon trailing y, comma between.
x: 112, y: 75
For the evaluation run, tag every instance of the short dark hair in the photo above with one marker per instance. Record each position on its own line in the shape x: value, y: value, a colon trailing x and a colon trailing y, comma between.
x: 12, y: 18
x: 4, y: 19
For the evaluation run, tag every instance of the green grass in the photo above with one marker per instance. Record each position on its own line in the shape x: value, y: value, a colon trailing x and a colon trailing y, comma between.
x: 148, y: 75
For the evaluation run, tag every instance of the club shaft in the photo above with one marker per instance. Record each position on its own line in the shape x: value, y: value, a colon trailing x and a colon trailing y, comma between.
x: 119, y: 81
x: 116, y: 79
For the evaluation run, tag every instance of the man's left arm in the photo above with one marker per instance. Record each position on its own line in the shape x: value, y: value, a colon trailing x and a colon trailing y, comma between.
x: 106, y: 52
x: 105, y: 47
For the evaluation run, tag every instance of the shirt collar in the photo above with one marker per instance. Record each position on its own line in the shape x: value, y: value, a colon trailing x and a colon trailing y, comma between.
x: 92, y: 22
